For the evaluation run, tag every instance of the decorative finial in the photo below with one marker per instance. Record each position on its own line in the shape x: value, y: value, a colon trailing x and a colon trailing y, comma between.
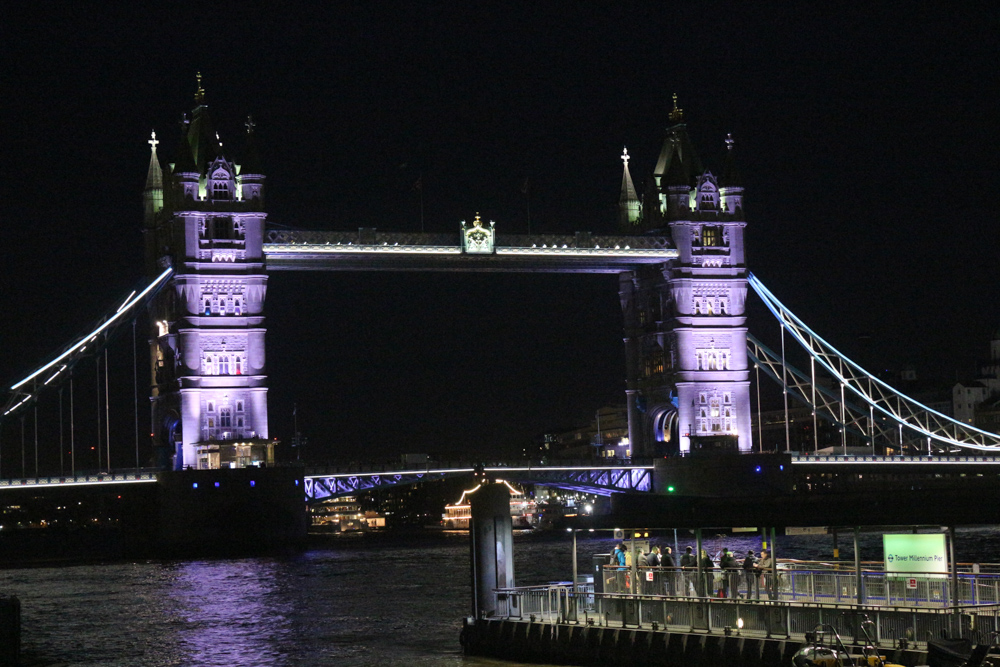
x: 729, y: 141
x: 199, y: 95
x: 154, y: 141
x: 249, y: 124
x: 625, y: 156
x: 677, y: 115
x: 477, y: 222
x: 218, y: 140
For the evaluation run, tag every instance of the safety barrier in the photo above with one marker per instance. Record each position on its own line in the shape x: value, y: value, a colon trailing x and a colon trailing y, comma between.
x: 893, y: 626
x: 794, y: 584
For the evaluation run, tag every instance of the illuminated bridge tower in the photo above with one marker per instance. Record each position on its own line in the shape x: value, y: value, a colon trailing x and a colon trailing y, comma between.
x: 685, y: 335
x: 204, y: 217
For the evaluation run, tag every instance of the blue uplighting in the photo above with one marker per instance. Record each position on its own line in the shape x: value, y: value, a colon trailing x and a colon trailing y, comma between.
x: 216, y: 485
x: 195, y: 485
x: 758, y: 468
x: 252, y: 482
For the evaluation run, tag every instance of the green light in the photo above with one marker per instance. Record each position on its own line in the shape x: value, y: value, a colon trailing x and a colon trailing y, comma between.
x: 670, y: 489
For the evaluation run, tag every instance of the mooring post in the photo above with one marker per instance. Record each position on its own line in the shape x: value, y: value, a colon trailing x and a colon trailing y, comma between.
x: 491, y: 546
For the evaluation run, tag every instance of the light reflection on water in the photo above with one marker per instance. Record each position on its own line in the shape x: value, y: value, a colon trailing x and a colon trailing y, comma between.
x: 376, y: 600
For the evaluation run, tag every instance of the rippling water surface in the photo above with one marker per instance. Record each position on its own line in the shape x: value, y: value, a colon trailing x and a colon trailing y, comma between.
x: 371, y: 600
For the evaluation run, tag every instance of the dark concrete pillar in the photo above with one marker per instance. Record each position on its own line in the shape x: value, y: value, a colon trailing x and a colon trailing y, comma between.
x: 491, y: 547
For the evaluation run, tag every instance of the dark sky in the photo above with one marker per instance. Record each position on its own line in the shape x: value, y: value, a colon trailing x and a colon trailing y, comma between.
x: 867, y: 141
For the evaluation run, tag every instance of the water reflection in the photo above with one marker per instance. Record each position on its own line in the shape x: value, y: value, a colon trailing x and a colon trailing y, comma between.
x: 235, y: 612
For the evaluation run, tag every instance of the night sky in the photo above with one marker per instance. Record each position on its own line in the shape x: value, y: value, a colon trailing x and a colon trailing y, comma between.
x: 867, y: 140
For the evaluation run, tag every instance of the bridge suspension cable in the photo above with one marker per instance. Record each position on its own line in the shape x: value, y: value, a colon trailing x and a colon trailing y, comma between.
x: 26, y: 391
x: 875, y: 393
x: 824, y: 402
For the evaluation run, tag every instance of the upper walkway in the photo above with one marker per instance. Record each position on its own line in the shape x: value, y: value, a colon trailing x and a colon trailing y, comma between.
x: 368, y: 250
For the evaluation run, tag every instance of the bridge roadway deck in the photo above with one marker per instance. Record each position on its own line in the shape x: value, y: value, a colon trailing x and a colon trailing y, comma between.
x: 603, y: 478
x: 368, y: 250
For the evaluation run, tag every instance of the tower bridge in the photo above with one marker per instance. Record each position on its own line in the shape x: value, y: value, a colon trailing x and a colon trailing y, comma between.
x: 683, y: 283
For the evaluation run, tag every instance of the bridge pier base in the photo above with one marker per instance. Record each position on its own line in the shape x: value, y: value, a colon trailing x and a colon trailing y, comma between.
x: 492, y: 547
x: 238, y: 511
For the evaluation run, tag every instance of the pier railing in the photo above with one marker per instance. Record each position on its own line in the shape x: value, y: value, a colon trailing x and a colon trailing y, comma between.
x: 893, y: 626
x: 818, y: 586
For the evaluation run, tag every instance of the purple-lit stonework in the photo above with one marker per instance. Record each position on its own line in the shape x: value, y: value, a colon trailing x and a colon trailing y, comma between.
x: 685, y: 329
x: 679, y: 255
x: 206, y: 219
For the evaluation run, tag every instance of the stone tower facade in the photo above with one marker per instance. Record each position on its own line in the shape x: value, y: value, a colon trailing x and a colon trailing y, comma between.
x: 204, y: 216
x: 688, y: 383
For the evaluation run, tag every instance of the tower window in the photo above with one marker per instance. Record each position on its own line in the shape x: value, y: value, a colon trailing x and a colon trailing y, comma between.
x: 239, y: 406
x: 225, y: 418
x: 220, y: 190
x: 710, y: 236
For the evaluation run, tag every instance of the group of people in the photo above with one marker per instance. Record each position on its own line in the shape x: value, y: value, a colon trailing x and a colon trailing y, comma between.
x: 683, y: 579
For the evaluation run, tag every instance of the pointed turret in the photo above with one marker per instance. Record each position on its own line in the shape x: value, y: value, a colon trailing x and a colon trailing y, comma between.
x: 201, y: 134
x: 185, y: 170
x: 677, y: 148
x: 676, y: 186
x: 152, y: 194
x: 731, y: 181
x: 628, y: 203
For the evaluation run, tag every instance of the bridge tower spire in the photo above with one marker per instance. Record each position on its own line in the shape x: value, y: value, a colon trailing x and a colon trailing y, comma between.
x: 628, y: 203
x: 685, y: 335
x: 209, y: 390
x: 708, y: 285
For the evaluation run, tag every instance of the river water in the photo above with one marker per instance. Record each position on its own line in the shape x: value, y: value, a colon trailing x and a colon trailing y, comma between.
x: 364, y: 600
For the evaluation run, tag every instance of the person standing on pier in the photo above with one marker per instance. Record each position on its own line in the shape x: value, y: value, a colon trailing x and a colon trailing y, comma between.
x: 750, y: 574
x: 708, y: 574
x: 764, y: 566
x: 689, y: 566
x: 667, y: 561
x: 728, y: 566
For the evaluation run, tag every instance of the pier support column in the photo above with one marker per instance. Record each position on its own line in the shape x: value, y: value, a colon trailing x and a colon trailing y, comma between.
x: 492, y: 547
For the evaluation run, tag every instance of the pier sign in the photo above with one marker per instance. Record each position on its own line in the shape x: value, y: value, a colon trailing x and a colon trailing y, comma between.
x: 915, y: 553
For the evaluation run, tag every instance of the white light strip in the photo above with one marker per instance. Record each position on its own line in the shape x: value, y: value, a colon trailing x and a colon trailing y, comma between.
x: 441, y: 471
x: 125, y: 302
x: 23, y: 401
x: 36, y: 484
x: 92, y: 335
x: 338, y: 248
x: 781, y: 312
x: 272, y: 249
x: 656, y: 253
x: 931, y: 461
